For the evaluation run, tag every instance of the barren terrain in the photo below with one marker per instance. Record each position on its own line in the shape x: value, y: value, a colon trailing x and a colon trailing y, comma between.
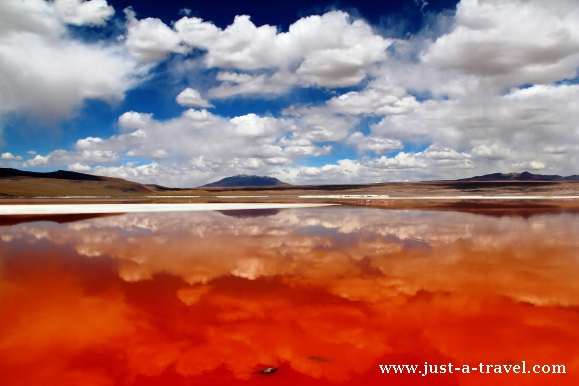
x: 18, y: 187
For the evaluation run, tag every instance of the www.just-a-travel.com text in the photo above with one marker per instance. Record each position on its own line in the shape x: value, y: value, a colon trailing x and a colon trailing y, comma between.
x: 449, y: 368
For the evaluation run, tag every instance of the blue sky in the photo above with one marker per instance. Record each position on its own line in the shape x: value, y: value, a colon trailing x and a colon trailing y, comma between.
x: 183, y: 93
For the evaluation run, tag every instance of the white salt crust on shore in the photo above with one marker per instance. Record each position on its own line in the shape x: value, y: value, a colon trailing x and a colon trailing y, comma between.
x: 140, y: 208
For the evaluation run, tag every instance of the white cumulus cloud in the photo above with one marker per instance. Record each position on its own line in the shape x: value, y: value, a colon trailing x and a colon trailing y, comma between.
x: 11, y: 157
x: 374, y: 144
x: 192, y: 98
x: 508, y: 43
x: 330, y: 50
x: 46, y: 72
x: 80, y: 12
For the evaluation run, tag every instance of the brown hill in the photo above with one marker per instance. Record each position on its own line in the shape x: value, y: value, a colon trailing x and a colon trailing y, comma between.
x: 19, y: 183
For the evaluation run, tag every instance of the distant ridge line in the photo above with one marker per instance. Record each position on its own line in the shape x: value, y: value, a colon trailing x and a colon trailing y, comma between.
x: 524, y: 176
x: 15, y: 176
x: 59, y: 174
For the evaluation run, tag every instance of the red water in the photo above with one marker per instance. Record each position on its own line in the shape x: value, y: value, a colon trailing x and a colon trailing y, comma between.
x: 323, y: 296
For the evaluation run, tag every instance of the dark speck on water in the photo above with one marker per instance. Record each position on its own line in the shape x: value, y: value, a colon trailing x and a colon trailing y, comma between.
x: 318, y: 359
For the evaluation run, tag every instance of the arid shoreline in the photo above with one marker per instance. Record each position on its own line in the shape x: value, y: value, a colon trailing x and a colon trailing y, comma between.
x: 434, y: 195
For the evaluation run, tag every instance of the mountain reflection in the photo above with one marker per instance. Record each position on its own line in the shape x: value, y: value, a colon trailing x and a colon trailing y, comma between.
x: 324, y: 295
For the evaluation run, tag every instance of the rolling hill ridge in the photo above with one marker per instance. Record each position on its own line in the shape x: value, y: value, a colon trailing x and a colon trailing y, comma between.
x: 16, y: 183
x: 524, y: 176
x: 20, y: 183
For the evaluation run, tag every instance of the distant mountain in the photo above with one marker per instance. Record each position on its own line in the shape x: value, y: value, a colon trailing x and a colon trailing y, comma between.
x: 524, y: 176
x: 245, y: 180
x: 20, y: 183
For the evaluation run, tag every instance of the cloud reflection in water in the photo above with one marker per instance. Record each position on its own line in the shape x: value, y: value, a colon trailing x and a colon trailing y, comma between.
x: 325, y: 294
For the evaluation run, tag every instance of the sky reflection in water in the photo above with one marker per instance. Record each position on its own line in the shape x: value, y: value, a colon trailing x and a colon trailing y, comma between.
x: 324, y: 295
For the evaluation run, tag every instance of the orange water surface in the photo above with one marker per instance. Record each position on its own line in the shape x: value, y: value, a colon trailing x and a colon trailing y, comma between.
x: 318, y: 296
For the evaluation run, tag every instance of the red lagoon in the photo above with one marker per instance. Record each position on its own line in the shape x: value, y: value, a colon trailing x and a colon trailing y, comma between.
x: 324, y: 296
